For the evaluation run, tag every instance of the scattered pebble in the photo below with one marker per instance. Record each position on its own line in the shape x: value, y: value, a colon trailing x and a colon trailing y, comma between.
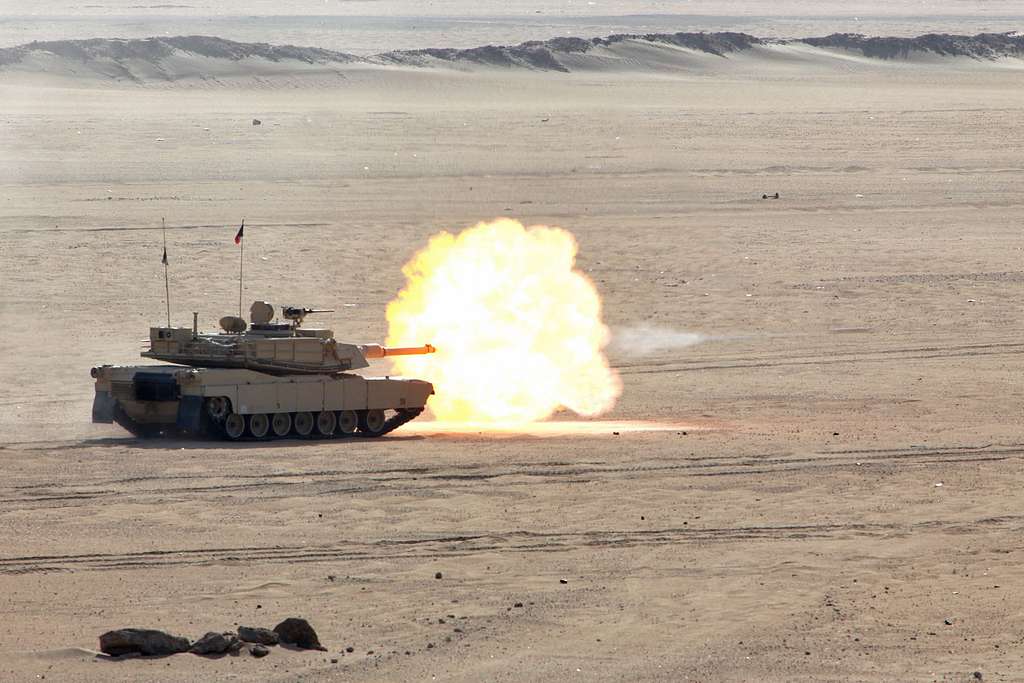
x: 438, y: 575
x: 259, y: 651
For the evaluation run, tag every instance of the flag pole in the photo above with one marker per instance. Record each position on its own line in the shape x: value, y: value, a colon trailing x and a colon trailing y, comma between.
x: 241, y: 253
x: 167, y: 282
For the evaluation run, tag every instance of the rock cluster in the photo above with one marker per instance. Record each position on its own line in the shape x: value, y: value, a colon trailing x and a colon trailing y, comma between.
x: 293, y: 632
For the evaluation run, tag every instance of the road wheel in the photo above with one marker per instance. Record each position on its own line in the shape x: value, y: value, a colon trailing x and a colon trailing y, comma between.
x: 281, y: 423
x: 259, y: 425
x: 325, y: 423
x: 371, y: 422
x: 348, y: 422
x: 218, y: 407
x: 303, y: 423
x: 234, y: 426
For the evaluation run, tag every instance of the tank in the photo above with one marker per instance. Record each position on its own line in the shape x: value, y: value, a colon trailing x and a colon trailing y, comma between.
x: 265, y: 379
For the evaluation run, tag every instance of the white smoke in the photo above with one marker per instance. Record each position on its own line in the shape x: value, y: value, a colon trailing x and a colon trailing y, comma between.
x: 645, y: 340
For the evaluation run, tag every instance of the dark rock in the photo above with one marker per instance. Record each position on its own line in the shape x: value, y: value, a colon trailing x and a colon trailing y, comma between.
x: 334, y: 660
x: 947, y: 622
x: 518, y: 604
x: 298, y: 632
x: 252, y: 634
x: 978, y: 676
x: 142, y: 641
x: 259, y: 651
x: 438, y: 575
x: 562, y: 581
x: 215, y: 644
x: 350, y: 649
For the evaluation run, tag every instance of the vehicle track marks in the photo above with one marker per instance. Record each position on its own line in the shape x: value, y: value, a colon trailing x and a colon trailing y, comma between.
x: 419, y: 480
x: 468, y: 544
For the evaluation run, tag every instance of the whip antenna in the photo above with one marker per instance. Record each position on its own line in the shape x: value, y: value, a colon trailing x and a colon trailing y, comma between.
x: 167, y: 282
x: 241, y: 253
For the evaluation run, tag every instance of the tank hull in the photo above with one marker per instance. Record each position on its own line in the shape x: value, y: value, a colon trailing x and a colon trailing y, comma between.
x: 244, y: 404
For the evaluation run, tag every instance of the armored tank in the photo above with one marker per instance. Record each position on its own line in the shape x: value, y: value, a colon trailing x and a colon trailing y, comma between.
x: 266, y: 379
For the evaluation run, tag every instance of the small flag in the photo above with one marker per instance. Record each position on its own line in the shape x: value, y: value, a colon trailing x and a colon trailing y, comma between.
x: 238, y: 236
x: 164, y: 259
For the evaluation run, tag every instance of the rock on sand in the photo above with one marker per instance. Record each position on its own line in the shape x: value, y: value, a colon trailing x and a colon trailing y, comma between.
x: 143, y: 641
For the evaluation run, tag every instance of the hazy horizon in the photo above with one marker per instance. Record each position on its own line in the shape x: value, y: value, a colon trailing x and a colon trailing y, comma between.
x: 363, y: 28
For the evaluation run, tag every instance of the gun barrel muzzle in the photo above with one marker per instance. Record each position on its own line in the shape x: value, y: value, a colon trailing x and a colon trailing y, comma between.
x: 378, y: 351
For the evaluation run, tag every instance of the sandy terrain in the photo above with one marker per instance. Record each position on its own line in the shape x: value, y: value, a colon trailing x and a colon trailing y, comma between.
x: 862, y: 348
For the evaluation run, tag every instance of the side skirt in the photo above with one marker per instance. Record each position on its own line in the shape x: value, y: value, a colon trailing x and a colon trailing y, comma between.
x: 103, y: 407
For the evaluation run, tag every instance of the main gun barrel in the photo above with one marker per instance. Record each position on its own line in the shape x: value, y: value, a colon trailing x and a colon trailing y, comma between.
x: 378, y: 351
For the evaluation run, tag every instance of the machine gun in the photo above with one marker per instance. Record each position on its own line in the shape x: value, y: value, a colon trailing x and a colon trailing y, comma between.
x: 297, y: 313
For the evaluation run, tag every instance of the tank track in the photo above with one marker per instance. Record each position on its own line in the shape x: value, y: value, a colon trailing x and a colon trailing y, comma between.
x: 212, y: 429
x: 215, y: 429
x: 139, y: 430
x: 400, y: 418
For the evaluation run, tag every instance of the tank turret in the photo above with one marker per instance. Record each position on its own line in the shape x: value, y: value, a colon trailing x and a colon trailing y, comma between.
x: 267, y: 345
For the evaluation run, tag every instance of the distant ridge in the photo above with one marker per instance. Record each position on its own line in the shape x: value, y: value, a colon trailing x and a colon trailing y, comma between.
x: 545, y: 55
x: 209, y: 57
x: 981, y: 46
x: 155, y: 49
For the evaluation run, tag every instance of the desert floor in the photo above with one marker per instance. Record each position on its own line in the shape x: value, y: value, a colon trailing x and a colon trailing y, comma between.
x: 835, y: 493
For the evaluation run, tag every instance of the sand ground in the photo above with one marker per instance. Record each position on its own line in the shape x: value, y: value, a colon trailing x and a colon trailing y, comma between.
x: 864, y: 348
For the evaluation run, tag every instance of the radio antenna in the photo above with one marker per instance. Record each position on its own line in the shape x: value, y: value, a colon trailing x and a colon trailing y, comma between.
x: 167, y: 282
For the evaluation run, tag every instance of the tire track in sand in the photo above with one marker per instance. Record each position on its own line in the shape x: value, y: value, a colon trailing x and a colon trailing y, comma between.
x: 430, y: 547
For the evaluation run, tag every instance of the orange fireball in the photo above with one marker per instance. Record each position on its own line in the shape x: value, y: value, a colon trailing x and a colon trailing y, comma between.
x: 518, y: 330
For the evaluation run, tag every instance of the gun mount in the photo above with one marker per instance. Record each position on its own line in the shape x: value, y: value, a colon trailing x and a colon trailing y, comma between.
x: 297, y: 314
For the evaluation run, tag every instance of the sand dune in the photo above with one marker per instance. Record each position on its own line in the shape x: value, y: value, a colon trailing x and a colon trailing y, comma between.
x: 206, y: 57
